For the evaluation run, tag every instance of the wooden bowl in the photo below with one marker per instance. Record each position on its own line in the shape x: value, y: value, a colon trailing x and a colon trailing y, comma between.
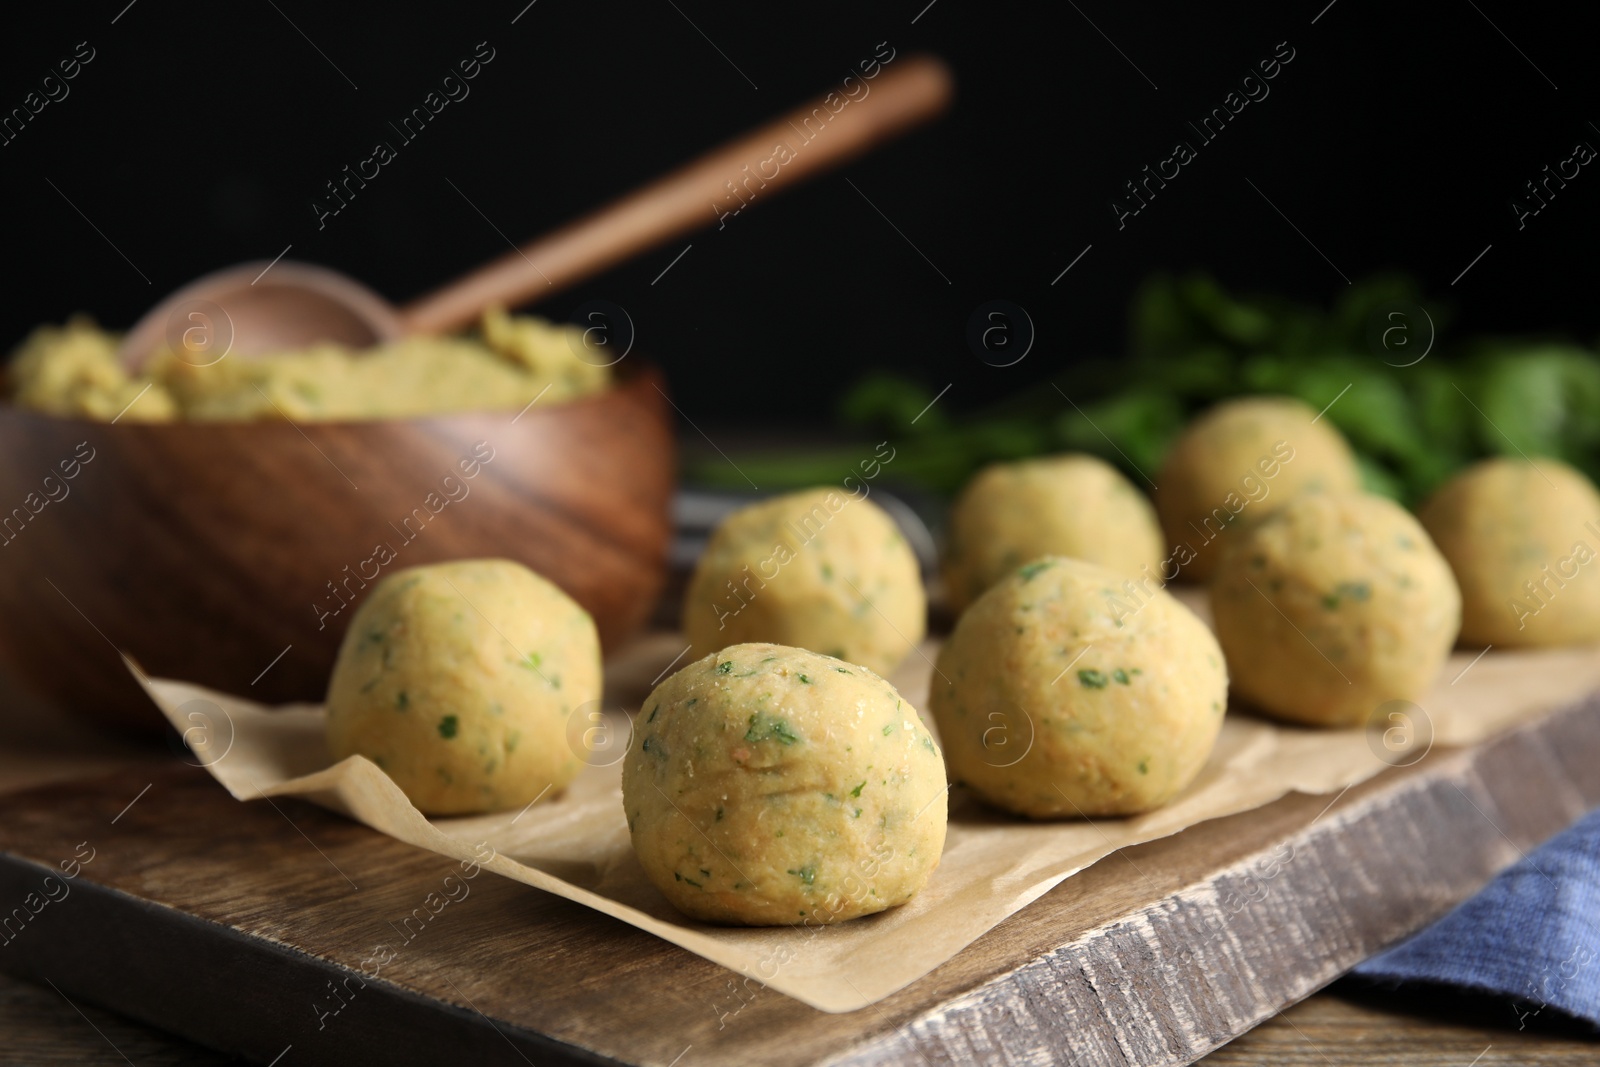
x: 204, y: 550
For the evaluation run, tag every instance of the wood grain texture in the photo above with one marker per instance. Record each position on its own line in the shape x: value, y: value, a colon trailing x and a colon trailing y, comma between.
x: 1363, y: 1031
x: 225, y: 922
x: 206, y: 549
x: 43, y: 1029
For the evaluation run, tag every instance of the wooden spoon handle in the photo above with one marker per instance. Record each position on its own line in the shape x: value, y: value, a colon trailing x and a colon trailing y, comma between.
x: 711, y: 189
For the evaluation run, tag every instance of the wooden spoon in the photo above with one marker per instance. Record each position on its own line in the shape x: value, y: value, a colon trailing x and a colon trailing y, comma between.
x: 259, y: 307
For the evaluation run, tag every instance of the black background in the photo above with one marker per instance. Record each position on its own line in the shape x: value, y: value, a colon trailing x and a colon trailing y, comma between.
x: 200, y: 134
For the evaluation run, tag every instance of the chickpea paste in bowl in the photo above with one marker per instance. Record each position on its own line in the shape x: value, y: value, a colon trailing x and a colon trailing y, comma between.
x: 508, y: 362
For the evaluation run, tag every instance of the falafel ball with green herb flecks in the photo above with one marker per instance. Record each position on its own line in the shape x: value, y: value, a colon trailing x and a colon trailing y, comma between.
x: 458, y: 680
x: 1068, y: 505
x: 1521, y: 537
x: 1235, y: 463
x: 822, y: 569
x: 771, y: 786
x: 1062, y: 693
x: 1332, y: 606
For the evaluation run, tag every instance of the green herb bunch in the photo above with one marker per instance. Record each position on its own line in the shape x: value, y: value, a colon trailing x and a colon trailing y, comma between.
x: 1413, y: 419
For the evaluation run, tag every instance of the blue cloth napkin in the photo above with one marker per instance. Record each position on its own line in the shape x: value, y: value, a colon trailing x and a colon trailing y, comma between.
x: 1531, y: 935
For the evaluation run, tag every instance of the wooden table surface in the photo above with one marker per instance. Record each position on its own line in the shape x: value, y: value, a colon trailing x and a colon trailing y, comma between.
x: 1348, y: 1024
x: 1341, y: 1026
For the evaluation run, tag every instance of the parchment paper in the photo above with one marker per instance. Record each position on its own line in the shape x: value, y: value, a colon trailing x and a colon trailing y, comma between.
x: 576, y: 844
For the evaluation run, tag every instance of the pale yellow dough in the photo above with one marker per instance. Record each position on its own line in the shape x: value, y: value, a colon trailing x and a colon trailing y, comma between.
x: 1063, y: 692
x: 1332, y: 606
x: 1070, y: 505
x: 73, y: 370
x: 459, y: 681
x: 821, y: 569
x: 1522, y: 539
x: 771, y: 786
x: 1237, y: 462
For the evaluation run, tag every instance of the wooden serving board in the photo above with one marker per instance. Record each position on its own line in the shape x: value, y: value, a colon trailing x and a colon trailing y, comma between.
x: 245, y: 927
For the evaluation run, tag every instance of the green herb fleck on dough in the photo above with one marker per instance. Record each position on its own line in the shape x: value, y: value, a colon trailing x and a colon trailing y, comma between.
x: 1357, y: 591
x: 841, y: 670
x: 806, y: 874
x: 402, y: 701
x: 725, y: 667
x: 1144, y: 765
x: 856, y: 792
x: 1028, y: 571
x: 804, y: 680
x: 447, y: 727
x: 653, y: 711
x: 694, y: 883
x: 1090, y: 678
x: 768, y: 728
x: 532, y: 661
x: 887, y: 730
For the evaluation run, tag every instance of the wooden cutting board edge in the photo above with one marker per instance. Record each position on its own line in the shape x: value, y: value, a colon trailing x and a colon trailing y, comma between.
x: 267, y: 985
x: 1138, y: 991
x: 1203, y: 958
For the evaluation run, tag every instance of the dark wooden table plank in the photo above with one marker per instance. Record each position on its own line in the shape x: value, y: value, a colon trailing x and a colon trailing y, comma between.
x: 42, y: 1028
x: 1376, y: 1030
